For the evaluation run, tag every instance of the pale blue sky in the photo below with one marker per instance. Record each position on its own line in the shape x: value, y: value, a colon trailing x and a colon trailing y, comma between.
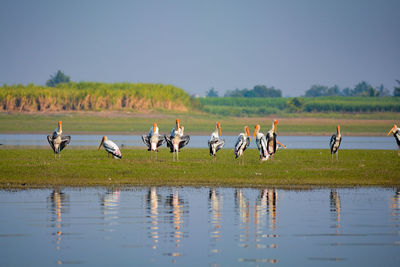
x: 197, y: 45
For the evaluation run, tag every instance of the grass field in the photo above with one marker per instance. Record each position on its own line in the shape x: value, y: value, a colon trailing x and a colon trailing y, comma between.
x: 32, y: 168
x: 195, y: 123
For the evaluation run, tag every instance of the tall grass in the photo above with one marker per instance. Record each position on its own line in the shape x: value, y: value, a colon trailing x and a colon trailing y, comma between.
x: 93, y: 96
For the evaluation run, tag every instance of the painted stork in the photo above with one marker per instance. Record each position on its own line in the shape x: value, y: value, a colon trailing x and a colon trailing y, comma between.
x: 216, y: 143
x: 261, y: 143
x: 153, y: 140
x: 272, y: 142
x: 57, y: 141
x: 177, y: 140
x: 242, y: 143
x: 110, y: 147
x: 396, y: 133
x: 336, y: 139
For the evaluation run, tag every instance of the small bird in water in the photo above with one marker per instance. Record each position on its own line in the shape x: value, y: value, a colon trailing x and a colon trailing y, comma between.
x: 57, y: 141
x: 216, y: 142
x: 336, y: 139
x: 153, y: 140
x: 396, y: 133
x: 110, y: 147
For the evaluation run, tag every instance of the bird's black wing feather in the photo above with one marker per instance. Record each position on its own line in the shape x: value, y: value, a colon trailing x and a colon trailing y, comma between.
x: 64, y: 141
x: 50, y: 140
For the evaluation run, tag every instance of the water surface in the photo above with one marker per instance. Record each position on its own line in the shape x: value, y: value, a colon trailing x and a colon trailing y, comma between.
x: 200, y: 227
x: 200, y: 141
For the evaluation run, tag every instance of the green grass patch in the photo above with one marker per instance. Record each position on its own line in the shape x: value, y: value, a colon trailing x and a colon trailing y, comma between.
x: 32, y: 168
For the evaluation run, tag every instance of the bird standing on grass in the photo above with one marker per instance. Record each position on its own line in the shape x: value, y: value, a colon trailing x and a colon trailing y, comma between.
x: 242, y: 143
x: 272, y: 142
x: 110, y: 147
x: 336, y: 139
x: 261, y: 143
x: 396, y: 133
x: 176, y: 140
x: 216, y: 142
x: 57, y: 141
x: 153, y: 140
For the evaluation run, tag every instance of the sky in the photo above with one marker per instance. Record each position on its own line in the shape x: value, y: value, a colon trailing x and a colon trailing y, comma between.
x: 204, y: 44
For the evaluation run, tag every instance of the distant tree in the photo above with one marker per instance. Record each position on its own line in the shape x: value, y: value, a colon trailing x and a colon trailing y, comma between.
x: 382, y: 91
x: 333, y: 91
x: 317, y: 90
x: 212, y: 93
x: 257, y: 91
x: 396, y: 91
x: 58, y: 78
x: 364, y: 89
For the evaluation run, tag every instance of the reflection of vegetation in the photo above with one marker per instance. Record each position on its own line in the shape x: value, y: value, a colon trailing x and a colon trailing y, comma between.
x: 78, y: 167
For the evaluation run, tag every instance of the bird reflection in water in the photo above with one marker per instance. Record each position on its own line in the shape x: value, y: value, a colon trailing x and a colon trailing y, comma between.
x: 272, y: 198
x: 396, y: 204
x: 215, y: 209
x: 335, y: 206
x: 243, y: 210
x: 59, y: 203
x: 175, y: 203
x: 109, y: 202
x: 153, y: 200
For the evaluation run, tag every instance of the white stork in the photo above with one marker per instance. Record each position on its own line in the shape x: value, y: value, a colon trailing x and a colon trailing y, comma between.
x: 216, y: 143
x: 242, y: 143
x: 396, y: 133
x: 261, y: 143
x: 57, y: 141
x: 272, y: 142
x: 153, y: 140
x: 110, y: 147
x: 336, y: 139
x: 176, y: 140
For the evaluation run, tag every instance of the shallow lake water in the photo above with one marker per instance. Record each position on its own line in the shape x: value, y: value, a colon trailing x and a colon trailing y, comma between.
x: 200, y: 141
x: 200, y: 227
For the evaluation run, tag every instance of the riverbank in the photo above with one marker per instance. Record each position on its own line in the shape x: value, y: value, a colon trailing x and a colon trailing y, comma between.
x: 37, y: 168
x: 107, y: 123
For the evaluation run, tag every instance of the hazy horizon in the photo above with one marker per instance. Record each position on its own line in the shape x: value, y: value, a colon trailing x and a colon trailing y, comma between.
x: 224, y: 45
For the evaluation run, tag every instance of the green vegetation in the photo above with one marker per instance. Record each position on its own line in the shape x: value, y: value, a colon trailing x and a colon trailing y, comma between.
x: 195, y: 123
x: 237, y: 106
x: 291, y: 168
x: 90, y: 96
x: 57, y: 78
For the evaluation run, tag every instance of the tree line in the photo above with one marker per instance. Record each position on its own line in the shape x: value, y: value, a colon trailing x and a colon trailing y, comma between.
x: 363, y: 88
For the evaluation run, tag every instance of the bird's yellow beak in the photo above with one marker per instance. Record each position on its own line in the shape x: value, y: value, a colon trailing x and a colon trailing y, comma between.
x: 177, y: 124
x: 248, y: 133
x: 154, y: 128
x: 102, y: 141
x: 391, y: 130
x: 338, y: 128
x: 219, y: 128
x: 256, y: 129
x: 275, y: 123
x: 59, y: 125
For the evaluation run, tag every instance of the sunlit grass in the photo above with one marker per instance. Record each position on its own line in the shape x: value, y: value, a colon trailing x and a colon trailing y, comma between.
x: 290, y: 168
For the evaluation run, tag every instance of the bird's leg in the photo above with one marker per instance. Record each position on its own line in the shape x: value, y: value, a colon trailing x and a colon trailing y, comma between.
x: 337, y: 155
x: 156, y: 153
x: 177, y: 156
x: 173, y: 155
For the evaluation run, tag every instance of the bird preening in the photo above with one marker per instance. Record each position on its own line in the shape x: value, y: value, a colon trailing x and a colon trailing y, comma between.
x: 336, y: 139
x: 110, y: 147
x: 57, y: 141
x: 216, y: 142
x: 242, y: 143
x: 396, y: 133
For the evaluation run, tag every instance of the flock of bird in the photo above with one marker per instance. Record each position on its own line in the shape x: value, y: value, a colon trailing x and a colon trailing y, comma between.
x: 267, y: 143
